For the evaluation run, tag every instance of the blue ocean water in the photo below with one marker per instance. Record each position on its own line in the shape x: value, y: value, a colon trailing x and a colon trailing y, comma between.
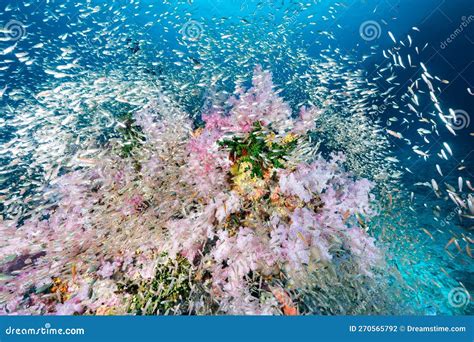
x: 104, y: 36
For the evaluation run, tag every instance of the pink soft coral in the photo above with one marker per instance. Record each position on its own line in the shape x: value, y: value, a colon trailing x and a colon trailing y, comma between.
x: 102, y: 225
x: 363, y: 248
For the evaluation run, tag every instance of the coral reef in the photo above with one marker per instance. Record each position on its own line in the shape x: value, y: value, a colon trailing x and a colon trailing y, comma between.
x: 240, y: 216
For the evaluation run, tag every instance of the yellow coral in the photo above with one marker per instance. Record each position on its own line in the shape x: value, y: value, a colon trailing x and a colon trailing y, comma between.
x: 234, y: 169
x: 61, y: 288
x: 290, y: 137
x: 197, y: 132
x: 243, y: 173
x: 104, y: 311
x: 246, y: 183
x: 245, y: 167
x: 269, y: 139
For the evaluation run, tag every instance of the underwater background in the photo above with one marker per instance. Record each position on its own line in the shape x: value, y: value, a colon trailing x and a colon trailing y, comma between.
x: 111, y: 57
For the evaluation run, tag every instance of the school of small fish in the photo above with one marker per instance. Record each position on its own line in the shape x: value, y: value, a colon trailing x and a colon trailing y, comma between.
x: 80, y: 68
